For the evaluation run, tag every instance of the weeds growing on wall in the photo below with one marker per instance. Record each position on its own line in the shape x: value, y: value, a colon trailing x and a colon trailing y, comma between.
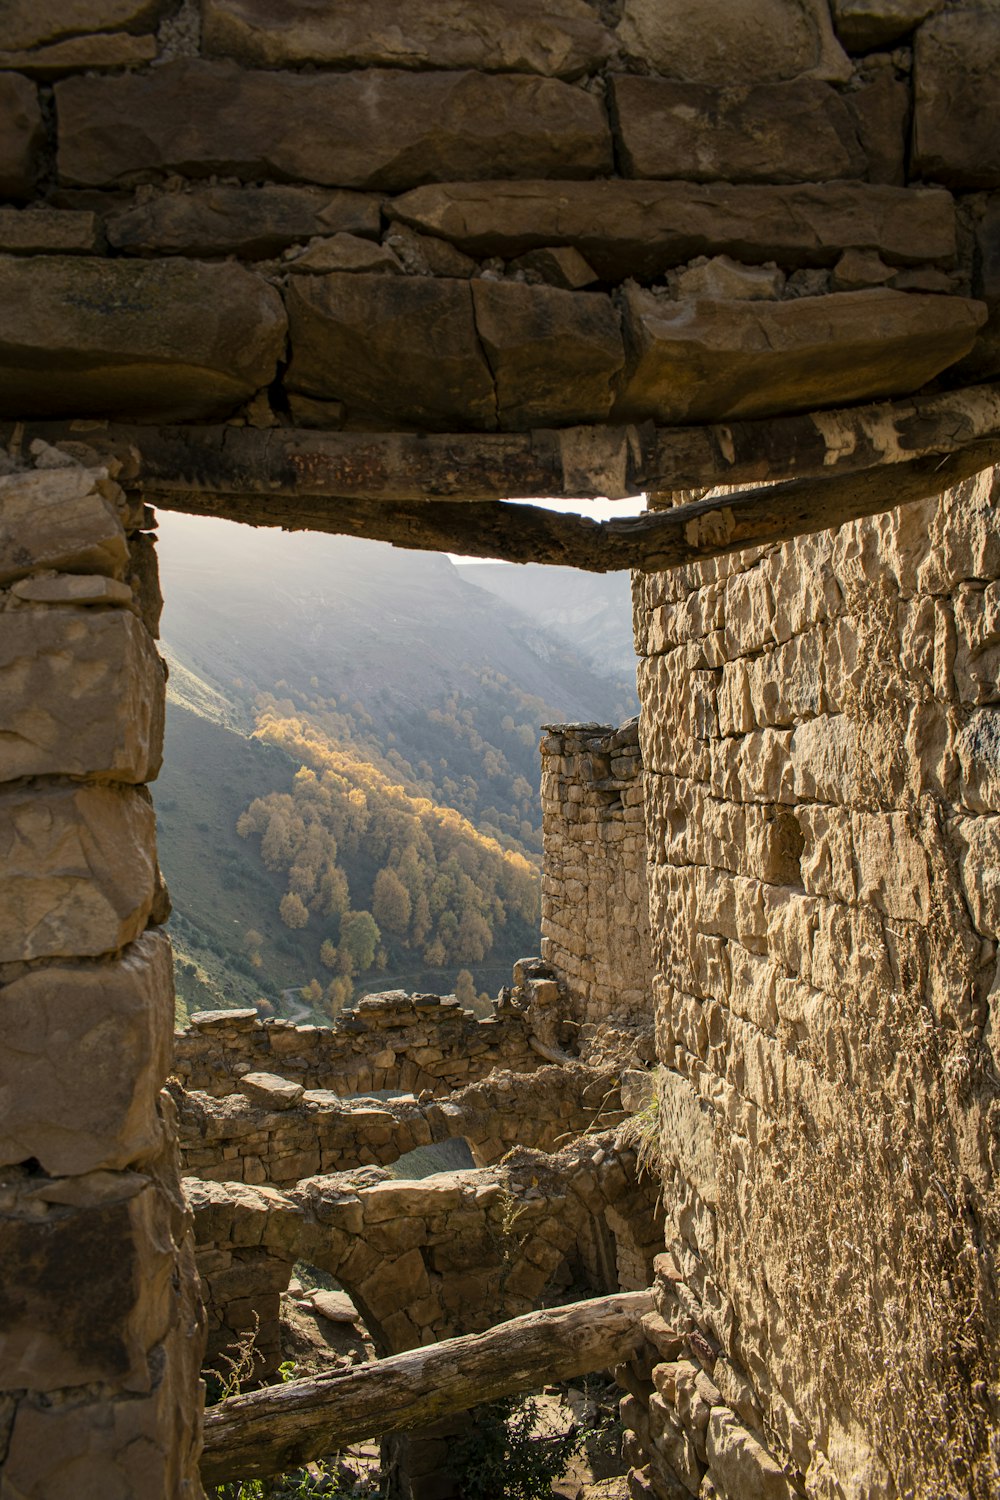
x: 501, y: 1458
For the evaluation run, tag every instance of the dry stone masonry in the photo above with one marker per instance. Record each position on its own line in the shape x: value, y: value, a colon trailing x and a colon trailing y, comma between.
x: 820, y: 751
x: 101, y: 1328
x: 482, y: 216
x: 595, y: 908
x: 312, y: 264
x: 424, y: 1043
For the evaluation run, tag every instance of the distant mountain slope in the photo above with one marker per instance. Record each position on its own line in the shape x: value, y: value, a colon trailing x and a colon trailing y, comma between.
x: 421, y: 689
x: 592, y: 612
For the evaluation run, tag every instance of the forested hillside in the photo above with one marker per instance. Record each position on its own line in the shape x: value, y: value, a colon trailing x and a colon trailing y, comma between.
x: 350, y: 792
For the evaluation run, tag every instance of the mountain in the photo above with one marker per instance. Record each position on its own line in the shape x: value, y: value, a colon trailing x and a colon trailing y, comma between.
x: 592, y: 612
x: 349, y: 797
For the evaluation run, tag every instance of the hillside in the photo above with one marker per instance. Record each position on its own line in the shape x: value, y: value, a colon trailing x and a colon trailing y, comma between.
x: 398, y: 685
x: 590, y: 612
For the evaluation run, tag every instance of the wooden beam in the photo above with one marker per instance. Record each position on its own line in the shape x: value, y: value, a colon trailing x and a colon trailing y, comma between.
x: 649, y: 543
x: 283, y: 1427
x: 573, y: 463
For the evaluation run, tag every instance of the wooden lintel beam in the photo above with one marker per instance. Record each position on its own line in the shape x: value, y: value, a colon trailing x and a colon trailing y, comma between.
x: 283, y: 1427
x: 649, y: 543
x: 572, y: 463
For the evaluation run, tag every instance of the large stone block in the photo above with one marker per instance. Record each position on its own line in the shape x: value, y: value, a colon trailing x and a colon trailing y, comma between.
x: 733, y: 42
x: 515, y: 36
x: 58, y: 519
x: 86, y: 1049
x: 27, y: 24
x: 703, y: 360
x: 21, y: 135
x: 256, y: 221
x: 86, y: 1291
x: 865, y: 24
x: 643, y: 228
x: 776, y: 133
x: 956, y: 119
x: 167, y: 341
x: 402, y: 348
x: 77, y: 871
x: 554, y: 354
x: 375, y: 129
x: 81, y: 694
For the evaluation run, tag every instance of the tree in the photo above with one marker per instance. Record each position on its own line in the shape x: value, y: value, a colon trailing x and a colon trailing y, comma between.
x: 328, y: 954
x: 359, y: 935
x: 312, y: 993
x: 292, y: 910
x: 465, y: 987
x: 391, y: 902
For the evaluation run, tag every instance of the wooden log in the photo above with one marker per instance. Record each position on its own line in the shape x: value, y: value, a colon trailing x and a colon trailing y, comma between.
x: 649, y: 543
x: 283, y: 1427
x: 573, y: 463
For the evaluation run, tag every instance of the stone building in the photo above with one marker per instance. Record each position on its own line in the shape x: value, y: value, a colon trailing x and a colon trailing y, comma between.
x: 379, y: 268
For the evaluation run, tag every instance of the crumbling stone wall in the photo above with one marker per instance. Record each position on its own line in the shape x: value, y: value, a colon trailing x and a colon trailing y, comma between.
x: 595, y: 908
x: 424, y: 1043
x: 101, y: 1330
x: 426, y: 1260
x: 690, y: 214
x: 820, y: 732
x: 274, y: 1131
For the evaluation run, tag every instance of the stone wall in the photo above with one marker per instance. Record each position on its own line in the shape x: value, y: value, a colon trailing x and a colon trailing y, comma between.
x: 821, y: 723
x: 595, y: 914
x: 101, y: 1330
x: 426, y: 1260
x: 274, y: 1131
x: 491, y: 217
x: 390, y: 1041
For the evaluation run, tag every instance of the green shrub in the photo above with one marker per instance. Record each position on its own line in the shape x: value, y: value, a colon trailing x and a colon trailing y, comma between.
x: 498, y: 1458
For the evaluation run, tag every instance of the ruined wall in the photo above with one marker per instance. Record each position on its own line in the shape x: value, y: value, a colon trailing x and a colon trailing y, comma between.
x: 389, y: 1041
x: 426, y: 1260
x: 274, y: 1131
x: 101, y: 1332
x: 821, y: 725
x: 300, y: 231
x: 595, y: 910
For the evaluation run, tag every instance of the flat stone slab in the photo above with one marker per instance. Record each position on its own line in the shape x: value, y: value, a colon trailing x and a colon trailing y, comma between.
x: 253, y: 222
x: 563, y: 39
x: 270, y: 1090
x: 165, y: 341
x: 707, y: 360
x: 863, y: 25
x: 642, y: 228
x: 775, y: 133
x: 58, y: 520
x: 376, y: 129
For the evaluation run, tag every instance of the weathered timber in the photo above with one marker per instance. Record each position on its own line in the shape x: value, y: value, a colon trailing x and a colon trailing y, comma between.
x: 282, y: 1427
x: 648, y: 543
x: 574, y: 462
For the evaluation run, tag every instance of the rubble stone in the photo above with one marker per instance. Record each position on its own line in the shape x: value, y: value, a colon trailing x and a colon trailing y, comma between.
x: 956, y: 137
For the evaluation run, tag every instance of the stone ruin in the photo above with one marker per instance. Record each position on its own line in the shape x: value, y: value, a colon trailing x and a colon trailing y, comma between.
x: 379, y: 269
